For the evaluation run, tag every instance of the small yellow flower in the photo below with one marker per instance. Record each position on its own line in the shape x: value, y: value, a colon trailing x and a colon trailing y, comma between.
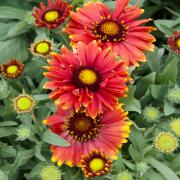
x: 50, y: 172
x: 151, y: 114
x: 42, y: 48
x: 12, y: 69
x: 125, y: 175
x: 165, y: 142
x: 23, y: 133
x: 174, y: 95
x: 175, y: 126
x: 23, y: 103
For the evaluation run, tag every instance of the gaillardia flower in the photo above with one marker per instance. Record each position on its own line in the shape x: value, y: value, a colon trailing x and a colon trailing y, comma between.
x: 165, y: 142
x: 95, y: 164
x: 23, y: 133
x: 173, y: 95
x: 23, y: 103
x: 49, y: 170
x: 151, y: 114
x: 175, y: 126
x: 53, y: 15
x: 42, y: 48
x: 118, y: 29
x: 174, y: 42
x: 12, y: 69
x: 125, y: 175
x: 87, y: 79
x: 107, y: 132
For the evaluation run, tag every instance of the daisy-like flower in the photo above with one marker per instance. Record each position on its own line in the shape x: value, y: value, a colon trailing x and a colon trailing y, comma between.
x: 23, y: 103
x: 107, y: 132
x: 174, y: 42
x: 53, y: 15
x: 95, y: 164
x: 87, y: 79
x: 175, y: 126
x: 118, y: 29
x: 23, y: 133
x: 42, y: 48
x: 151, y: 114
x: 49, y: 170
x: 12, y: 69
x: 125, y: 175
x: 165, y: 142
x: 173, y: 95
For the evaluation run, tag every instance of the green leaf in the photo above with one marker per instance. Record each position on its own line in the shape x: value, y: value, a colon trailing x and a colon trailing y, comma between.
x: 131, y: 104
x: 13, y: 48
x: 144, y: 83
x: 41, y: 97
x: 153, y: 59
x: 4, y: 28
x: 168, y: 108
x: 4, y: 89
x: 3, y: 175
x: 169, y: 73
x: 38, y: 152
x: 19, y: 28
x: 7, y: 151
x: 4, y: 132
x: 158, y: 91
x: 8, y: 123
x: 163, y: 169
x: 137, y: 139
x: 134, y: 154
x: 11, y: 13
x: 54, y: 139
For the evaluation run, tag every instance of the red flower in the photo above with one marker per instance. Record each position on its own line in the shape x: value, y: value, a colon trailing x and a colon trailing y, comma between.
x: 12, y: 69
x: 118, y: 29
x: 95, y: 164
x: 107, y: 132
x: 87, y: 79
x: 53, y: 15
x: 174, y: 42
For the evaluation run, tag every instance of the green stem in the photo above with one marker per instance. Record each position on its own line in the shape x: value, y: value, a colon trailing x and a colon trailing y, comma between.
x: 36, y: 124
x: 138, y: 128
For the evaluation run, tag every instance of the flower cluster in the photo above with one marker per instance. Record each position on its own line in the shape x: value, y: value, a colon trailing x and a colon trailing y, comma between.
x: 87, y: 82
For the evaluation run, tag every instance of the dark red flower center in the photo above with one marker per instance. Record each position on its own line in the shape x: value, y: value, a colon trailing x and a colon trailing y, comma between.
x: 109, y: 30
x: 82, y: 127
x: 86, y: 77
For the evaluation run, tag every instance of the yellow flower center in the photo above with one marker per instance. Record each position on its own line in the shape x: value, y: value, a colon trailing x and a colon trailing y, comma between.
x: 175, y: 126
x: 178, y: 42
x: 88, y: 76
x: 24, y: 103
x: 166, y: 142
x: 110, y: 28
x: 51, y: 16
x: 12, y: 69
x: 42, y: 47
x: 96, y: 164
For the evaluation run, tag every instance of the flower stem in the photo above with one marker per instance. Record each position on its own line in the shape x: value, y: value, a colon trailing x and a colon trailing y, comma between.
x: 36, y: 124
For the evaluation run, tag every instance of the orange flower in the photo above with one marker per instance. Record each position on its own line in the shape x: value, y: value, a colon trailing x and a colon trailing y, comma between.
x: 89, y: 78
x: 12, y: 69
x: 119, y: 29
x: 95, y: 164
x: 107, y: 132
x: 53, y: 15
x: 174, y: 42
